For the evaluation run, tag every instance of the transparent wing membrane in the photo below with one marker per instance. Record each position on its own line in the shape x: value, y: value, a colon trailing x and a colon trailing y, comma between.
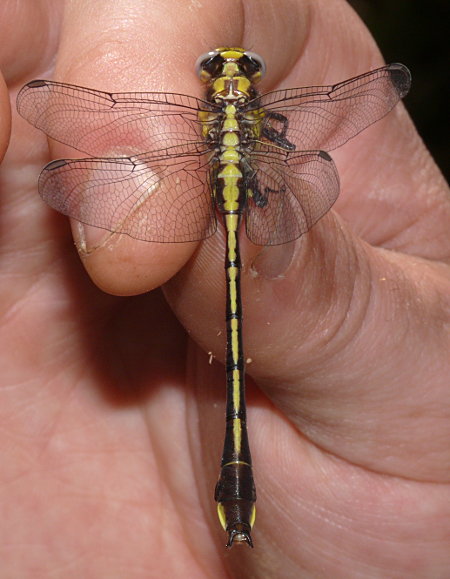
x: 159, y: 191
x: 299, y: 190
x: 98, y: 123
x: 151, y: 198
x: 327, y: 117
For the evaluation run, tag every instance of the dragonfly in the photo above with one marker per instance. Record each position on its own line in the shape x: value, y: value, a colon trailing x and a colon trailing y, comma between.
x: 235, y: 157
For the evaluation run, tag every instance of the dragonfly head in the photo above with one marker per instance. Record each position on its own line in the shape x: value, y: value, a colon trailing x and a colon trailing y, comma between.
x: 230, y: 63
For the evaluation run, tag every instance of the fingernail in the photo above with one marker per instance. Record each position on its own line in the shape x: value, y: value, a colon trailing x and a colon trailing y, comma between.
x: 88, y: 239
x: 273, y: 261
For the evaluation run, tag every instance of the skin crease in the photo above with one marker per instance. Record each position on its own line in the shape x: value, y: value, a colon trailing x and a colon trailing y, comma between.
x: 107, y: 470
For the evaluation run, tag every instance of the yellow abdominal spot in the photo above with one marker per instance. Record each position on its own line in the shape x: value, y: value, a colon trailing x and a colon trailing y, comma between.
x: 237, y: 430
x: 235, y: 348
x: 230, y: 171
x: 233, y: 299
x: 230, y: 140
x: 237, y: 381
x: 222, y: 516
x: 253, y: 516
x: 230, y: 197
x: 232, y: 272
x: 230, y: 155
x: 231, y: 250
x: 231, y: 225
x: 234, y: 324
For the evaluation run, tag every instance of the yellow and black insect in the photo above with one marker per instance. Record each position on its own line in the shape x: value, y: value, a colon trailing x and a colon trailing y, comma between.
x: 236, y: 154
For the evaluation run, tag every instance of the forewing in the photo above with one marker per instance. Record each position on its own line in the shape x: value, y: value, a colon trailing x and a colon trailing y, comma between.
x: 163, y: 198
x: 100, y: 123
x: 326, y: 117
x: 299, y: 189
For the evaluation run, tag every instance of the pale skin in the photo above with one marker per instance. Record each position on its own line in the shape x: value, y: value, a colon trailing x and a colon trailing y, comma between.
x: 106, y: 470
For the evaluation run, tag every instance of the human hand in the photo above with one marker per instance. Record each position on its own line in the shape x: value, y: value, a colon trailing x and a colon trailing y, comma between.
x: 112, y: 416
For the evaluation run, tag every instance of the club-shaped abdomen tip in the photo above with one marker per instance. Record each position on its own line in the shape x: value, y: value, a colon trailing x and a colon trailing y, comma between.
x: 237, y: 518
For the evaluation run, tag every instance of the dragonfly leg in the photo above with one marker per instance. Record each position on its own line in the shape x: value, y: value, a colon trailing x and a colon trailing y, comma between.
x: 260, y: 198
x: 254, y: 191
x: 277, y: 135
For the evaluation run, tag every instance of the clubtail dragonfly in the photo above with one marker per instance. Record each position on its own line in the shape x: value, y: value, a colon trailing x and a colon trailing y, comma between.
x: 234, y: 156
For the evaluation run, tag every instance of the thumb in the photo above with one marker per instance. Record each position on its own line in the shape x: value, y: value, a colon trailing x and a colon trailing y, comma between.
x: 344, y: 330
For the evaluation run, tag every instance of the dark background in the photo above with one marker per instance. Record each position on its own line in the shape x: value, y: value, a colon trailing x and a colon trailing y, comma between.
x: 416, y: 33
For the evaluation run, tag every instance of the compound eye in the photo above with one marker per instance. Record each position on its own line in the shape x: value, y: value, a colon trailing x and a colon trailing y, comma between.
x: 257, y: 61
x: 206, y: 63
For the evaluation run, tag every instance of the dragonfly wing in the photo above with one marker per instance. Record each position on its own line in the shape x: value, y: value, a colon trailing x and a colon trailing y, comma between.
x: 152, y: 198
x: 100, y: 123
x: 326, y: 117
x: 297, y: 189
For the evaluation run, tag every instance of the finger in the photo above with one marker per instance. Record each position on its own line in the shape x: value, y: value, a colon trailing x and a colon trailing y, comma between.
x: 344, y: 337
x: 380, y: 168
x: 29, y: 33
x: 123, y: 58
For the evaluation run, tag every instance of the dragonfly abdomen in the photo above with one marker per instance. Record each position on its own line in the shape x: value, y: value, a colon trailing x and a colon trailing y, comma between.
x: 235, y: 490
